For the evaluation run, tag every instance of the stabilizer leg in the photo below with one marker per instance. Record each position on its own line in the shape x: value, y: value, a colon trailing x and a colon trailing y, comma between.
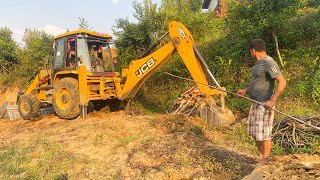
x: 83, y: 111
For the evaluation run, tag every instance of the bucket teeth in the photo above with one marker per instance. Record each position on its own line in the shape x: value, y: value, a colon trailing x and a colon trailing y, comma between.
x: 214, y: 116
x: 210, y: 115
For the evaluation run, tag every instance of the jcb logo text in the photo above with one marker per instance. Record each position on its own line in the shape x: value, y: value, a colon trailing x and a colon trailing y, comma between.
x: 181, y: 32
x: 145, y: 67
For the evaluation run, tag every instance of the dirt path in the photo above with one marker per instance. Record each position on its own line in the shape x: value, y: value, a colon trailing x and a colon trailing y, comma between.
x: 118, y: 146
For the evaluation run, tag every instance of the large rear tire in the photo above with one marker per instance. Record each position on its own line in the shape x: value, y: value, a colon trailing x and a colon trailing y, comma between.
x: 66, y: 101
x: 28, y: 106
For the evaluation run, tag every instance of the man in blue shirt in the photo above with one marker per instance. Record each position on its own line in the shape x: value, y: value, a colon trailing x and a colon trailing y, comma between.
x: 261, y: 89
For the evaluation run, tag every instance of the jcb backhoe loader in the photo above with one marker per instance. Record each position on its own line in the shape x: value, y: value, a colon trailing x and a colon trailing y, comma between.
x: 83, y: 71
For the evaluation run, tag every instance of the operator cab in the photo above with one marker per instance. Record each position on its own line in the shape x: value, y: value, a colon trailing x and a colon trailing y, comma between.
x: 83, y: 48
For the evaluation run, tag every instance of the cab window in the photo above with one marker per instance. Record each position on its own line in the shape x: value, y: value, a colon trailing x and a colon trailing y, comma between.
x: 59, y: 54
x: 71, y: 54
x: 82, y: 53
x: 100, y: 56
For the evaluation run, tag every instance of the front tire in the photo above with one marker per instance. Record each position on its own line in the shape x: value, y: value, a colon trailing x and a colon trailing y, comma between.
x: 28, y: 106
x: 66, y: 101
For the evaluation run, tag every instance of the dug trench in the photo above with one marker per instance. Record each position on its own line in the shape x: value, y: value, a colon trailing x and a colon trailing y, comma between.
x: 119, y: 146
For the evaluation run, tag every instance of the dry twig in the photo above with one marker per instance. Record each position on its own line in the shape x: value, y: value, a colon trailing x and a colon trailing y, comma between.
x: 292, y: 135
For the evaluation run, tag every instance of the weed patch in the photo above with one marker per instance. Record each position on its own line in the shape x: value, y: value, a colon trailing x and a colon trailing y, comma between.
x: 35, y: 160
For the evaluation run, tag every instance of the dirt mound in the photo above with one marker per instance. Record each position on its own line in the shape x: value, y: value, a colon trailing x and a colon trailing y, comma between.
x: 296, y: 166
x: 9, y: 95
x: 184, y: 147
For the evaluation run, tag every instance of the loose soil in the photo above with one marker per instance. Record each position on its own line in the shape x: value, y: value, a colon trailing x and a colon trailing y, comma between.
x: 118, y: 146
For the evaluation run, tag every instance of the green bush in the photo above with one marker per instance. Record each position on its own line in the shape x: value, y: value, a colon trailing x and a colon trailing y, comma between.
x: 316, y: 88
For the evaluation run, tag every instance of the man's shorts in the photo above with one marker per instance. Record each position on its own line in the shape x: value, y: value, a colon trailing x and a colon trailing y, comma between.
x: 260, y: 122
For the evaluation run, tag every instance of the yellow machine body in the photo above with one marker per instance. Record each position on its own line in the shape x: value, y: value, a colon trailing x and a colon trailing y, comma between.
x: 92, y: 86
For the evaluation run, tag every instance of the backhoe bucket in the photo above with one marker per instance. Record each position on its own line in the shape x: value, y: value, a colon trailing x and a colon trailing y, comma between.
x: 214, y: 115
x: 8, y: 111
x: 193, y: 103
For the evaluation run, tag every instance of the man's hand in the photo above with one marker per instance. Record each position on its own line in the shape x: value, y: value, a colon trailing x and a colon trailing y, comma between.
x: 269, y: 104
x: 281, y: 86
x: 242, y: 92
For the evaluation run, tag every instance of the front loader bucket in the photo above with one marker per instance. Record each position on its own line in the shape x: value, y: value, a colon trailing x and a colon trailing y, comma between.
x: 8, y: 111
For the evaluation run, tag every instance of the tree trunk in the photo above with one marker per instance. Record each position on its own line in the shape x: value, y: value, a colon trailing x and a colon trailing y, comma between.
x: 275, y: 38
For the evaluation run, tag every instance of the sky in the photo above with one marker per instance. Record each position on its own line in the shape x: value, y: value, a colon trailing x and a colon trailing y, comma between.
x: 56, y: 16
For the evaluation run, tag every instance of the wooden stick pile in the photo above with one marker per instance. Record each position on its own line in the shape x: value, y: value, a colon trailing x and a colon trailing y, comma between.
x: 187, y: 102
x: 291, y: 134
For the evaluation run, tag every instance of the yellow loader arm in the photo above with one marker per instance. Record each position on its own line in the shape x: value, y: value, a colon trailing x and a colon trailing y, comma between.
x: 140, y: 70
x: 35, y: 83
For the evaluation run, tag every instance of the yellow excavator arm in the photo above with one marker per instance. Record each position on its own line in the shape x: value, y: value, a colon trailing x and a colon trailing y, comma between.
x: 139, y: 70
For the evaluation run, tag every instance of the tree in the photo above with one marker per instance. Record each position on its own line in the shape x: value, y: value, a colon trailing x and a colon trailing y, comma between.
x: 261, y: 18
x: 8, y: 49
x: 38, y: 46
x: 83, y: 24
x: 134, y: 38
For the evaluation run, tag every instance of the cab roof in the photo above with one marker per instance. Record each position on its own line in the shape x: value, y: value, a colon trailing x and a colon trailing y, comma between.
x: 81, y: 31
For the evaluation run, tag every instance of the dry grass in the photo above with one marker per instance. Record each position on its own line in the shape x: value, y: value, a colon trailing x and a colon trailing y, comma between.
x: 116, y: 146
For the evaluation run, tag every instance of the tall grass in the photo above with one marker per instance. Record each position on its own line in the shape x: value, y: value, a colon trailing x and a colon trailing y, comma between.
x: 36, y: 159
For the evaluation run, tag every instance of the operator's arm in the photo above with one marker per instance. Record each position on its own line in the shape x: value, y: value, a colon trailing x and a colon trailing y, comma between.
x: 281, y: 86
